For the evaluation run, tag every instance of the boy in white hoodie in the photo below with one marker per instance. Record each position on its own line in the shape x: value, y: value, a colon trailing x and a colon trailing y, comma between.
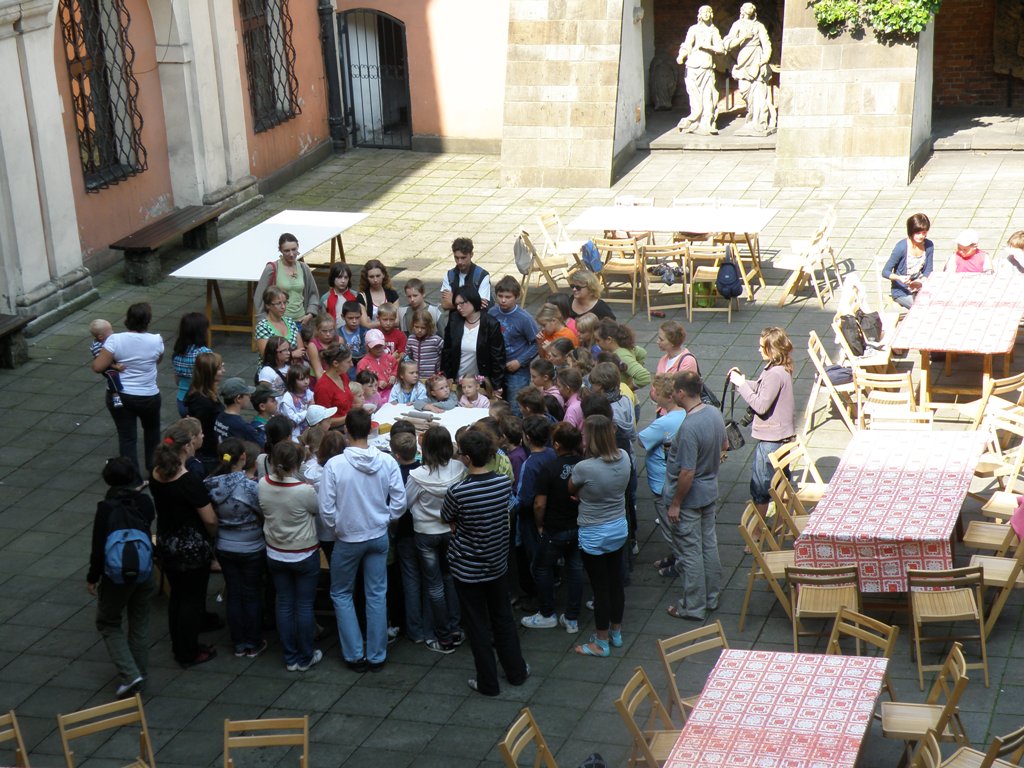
x: 361, y: 492
x: 425, y: 489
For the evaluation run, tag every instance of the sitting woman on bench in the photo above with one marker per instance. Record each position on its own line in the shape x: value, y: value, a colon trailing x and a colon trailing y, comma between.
x: 295, y: 278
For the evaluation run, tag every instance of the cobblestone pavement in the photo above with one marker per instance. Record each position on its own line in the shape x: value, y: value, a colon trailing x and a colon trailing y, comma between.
x: 419, y: 710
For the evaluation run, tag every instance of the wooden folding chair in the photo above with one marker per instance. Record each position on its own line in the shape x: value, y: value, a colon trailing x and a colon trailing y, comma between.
x: 790, y: 515
x: 770, y: 561
x: 991, y: 400
x: 675, y: 649
x: 1001, y: 464
x: 876, y: 392
x: 808, y: 258
x: 1004, y: 752
x: 877, y: 636
x: 703, y: 262
x: 819, y: 593
x: 1004, y: 574
x: 557, y: 241
x: 946, y: 597
x: 940, y: 712
x: 928, y: 754
x: 523, y: 732
x: 269, y: 732
x: 622, y: 259
x: 9, y: 731
x: 839, y: 397
x: 995, y: 539
x: 794, y: 457
x: 106, y: 717
x: 650, y: 746
x: 669, y: 255
x: 541, y: 268
x: 873, y: 360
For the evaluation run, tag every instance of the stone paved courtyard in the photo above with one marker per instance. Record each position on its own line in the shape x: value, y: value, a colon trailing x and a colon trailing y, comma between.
x: 418, y: 711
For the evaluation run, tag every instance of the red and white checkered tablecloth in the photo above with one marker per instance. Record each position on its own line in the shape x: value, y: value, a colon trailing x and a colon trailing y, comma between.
x: 975, y: 314
x: 892, y: 505
x: 761, y: 709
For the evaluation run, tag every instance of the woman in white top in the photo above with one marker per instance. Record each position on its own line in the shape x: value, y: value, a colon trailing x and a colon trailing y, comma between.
x: 473, y: 343
x: 138, y: 352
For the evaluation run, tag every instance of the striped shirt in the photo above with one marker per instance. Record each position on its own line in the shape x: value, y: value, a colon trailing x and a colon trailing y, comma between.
x: 478, y: 506
x: 427, y: 354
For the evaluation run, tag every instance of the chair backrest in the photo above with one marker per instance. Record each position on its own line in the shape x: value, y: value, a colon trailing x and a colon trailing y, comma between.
x: 787, y: 504
x: 551, y: 229
x: 947, y: 689
x: 637, y: 692
x: 618, y: 248
x: 269, y: 732
x: 882, y: 391
x: 755, y: 534
x: 523, y: 732
x: 877, y: 634
x: 674, y: 649
x: 1009, y: 748
x: 9, y: 731
x: 106, y: 717
x: 839, y: 576
x: 928, y: 753
x: 793, y: 454
x: 818, y: 354
x: 967, y: 577
x: 1010, y: 385
x: 669, y: 252
x: 528, y: 242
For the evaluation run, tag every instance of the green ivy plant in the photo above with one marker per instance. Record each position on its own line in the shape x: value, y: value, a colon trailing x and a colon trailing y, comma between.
x: 888, y: 19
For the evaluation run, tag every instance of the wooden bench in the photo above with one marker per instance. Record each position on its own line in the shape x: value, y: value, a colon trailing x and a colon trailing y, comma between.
x: 13, y: 347
x: 196, y: 224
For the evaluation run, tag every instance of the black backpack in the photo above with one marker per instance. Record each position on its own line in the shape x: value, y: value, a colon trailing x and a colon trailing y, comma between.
x: 729, y: 284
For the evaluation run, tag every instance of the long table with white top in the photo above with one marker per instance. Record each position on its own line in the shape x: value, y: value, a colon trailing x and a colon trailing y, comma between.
x: 245, y: 256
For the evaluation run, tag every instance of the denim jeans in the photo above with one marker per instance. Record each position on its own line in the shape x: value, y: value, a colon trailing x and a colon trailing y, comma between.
x: 418, y: 624
x: 243, y: 579
x: 130, y: 654
x: 346, y: 561
x: 145, y: 408
x: 552, y: 546
x: 701, y: 568
x: 432, y: 550
x: 513, y: 383
x: 295, y: 584
x: 761, y: 470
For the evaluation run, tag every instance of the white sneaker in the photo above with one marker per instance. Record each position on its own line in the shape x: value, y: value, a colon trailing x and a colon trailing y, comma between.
x: 590, y: 604
x: 539, y: 621
x: 129, y: 689
x: 317, y: 657
x: 571, y: 625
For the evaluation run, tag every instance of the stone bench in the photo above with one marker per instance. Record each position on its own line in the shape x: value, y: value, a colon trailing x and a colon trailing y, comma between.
x: 196, y: 224
x: 13, y: 347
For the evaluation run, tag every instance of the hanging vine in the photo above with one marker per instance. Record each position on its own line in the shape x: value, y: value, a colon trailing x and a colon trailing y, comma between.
x: 896, y: 20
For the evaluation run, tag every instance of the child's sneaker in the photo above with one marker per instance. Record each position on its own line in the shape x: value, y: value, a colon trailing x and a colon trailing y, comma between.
x: 316, y: 659
x: 571, y: 625
x: 539, y: 621
x: 438, y: 647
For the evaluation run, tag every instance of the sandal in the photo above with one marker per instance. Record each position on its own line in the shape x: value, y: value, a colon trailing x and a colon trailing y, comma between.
x: 665, y: 562
x: 587, y: 649
x: 673, y: 611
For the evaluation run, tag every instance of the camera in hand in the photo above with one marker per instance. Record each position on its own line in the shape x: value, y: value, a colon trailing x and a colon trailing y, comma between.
x: 748, y: 417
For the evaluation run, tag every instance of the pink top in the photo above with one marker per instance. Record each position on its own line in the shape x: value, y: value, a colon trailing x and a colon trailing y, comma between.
x: 685, y: 362
x: 974, y: 263
x: 385, y: 367
x: 482, y: 401
x: 574, y: 411
x: 553, y: 391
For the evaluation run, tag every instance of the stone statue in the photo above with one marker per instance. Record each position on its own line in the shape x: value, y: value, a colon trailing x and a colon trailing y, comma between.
x: 698, y: 52
x: 663, y: 77
x: 748, y: 42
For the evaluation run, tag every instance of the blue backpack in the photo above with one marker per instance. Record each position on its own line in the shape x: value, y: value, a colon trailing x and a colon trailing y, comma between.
x: 728, y: 283
x: 591, y: 257
x: 128, y: 551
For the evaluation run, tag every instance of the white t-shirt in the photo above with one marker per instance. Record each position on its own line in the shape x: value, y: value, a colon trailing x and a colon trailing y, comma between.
x: 467, y: 358
x: 138, y: 353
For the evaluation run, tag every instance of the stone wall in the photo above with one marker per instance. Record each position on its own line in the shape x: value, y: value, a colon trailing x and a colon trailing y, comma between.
x: 847, y: 106
x: 560, y: 93
x: 964, y: 75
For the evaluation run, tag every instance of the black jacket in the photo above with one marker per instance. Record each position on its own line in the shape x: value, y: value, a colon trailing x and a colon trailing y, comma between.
x: 490, y: 349
x: 129, y: 497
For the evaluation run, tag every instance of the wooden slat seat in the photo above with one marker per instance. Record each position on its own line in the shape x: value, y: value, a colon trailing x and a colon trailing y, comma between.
x: 169, y: 227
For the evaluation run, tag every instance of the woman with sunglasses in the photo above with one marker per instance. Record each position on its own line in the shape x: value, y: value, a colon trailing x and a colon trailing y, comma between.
x: 586, y: 296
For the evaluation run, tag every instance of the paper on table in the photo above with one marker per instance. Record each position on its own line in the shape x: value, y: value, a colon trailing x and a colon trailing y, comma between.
x: 452, y: 420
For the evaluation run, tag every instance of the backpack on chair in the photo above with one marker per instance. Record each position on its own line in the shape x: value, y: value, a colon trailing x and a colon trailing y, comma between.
x: 522, y: 255
x: 729, y: 284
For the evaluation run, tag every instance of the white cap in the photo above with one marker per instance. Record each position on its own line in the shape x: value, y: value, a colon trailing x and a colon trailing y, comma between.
x: 317, y: 413
x: 967, y: 237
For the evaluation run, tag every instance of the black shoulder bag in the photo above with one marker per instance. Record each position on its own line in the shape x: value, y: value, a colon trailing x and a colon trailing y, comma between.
x: 732, y: 430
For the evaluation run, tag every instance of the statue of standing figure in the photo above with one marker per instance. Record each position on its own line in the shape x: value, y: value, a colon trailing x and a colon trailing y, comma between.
x: 748, y: 42
x: 698, y: 52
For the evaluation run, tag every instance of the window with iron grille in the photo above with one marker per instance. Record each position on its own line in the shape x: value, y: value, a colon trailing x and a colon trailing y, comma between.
x: 104, y: 91
x: 269, y: 62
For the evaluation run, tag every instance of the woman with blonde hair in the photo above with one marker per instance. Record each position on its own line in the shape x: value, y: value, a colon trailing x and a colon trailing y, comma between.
x: 586, y: 296
x: 770, y: 397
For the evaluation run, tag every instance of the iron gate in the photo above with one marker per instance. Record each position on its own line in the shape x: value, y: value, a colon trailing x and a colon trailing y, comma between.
x: 375, y: 70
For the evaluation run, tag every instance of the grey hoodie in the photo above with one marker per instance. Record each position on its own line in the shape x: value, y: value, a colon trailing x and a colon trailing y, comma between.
x: 361, y: 491
x: 425, y: 490
x: 239, y: 519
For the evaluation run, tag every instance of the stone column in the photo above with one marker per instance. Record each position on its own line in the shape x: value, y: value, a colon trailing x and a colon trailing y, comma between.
x: 561, y: 89
x: 851, y: 111
x: 40, y: 253
x: 201, y: 82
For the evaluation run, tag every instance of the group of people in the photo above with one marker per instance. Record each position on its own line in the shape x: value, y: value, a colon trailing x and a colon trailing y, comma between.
x: 421, y: 530
x: 912, y: 260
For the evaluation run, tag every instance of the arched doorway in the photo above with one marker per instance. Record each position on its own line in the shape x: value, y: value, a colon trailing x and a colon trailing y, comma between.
x: 375, y: 76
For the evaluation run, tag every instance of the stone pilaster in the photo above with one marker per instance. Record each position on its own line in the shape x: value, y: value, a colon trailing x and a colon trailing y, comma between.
x: 851, y: 111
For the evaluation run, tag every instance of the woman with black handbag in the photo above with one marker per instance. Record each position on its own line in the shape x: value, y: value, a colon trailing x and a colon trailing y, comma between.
x: 186, y: 526
x: 770, y: 398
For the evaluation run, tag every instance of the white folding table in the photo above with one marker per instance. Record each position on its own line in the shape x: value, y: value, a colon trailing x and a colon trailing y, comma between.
x: 245, y: 256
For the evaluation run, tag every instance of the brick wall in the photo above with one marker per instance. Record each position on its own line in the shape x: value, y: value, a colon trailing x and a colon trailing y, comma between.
x: 673, y: 17
x: 963, y: 58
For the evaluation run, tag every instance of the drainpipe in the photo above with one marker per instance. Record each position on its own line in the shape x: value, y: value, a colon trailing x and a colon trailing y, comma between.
x: 329, y: 44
